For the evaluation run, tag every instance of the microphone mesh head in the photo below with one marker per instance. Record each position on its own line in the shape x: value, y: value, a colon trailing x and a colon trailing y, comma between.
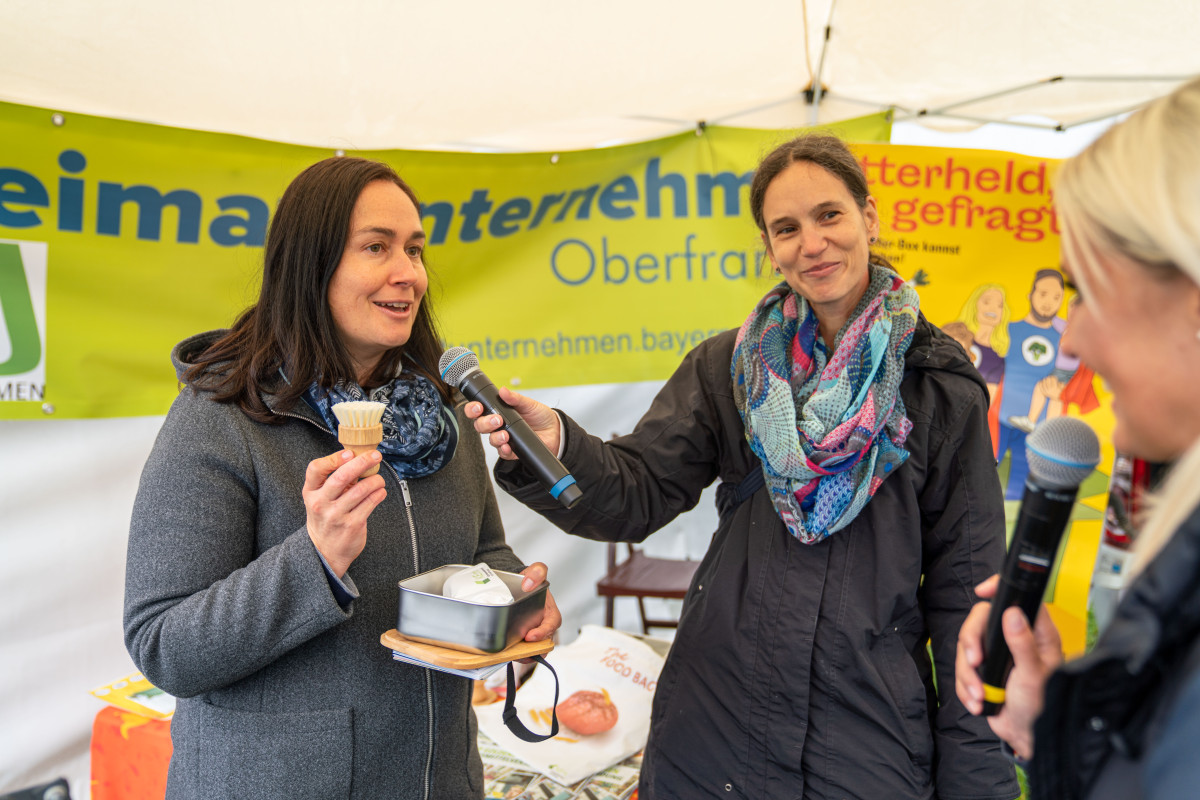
x: 456, y: 363
x: 1062, y: 452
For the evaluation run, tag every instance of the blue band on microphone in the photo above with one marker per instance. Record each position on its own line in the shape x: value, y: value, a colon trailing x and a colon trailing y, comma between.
x: 1060, y: 461
x: 455, y: 361
x: 557, y: 488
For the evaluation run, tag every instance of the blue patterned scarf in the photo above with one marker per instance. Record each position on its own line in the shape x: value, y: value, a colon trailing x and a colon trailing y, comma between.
x: 828, y: 429
x: 419, y: 432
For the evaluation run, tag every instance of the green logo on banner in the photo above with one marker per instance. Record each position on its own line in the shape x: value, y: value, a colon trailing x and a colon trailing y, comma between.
x: 17, y: 307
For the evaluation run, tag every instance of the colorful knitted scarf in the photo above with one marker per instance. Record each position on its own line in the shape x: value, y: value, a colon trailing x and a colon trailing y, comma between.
x: 828, y: 429
x: 419, y: 433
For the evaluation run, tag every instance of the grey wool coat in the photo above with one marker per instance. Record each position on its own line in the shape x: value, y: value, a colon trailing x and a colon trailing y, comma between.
x: 282, y: 693
x: 801, y: 671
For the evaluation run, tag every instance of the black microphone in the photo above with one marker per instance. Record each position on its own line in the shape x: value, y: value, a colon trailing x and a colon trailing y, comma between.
x: 460, y: 367
x: 1061, y: 452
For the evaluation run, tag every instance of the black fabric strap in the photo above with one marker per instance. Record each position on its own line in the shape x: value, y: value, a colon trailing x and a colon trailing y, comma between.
x: 730, y: 497
x: 513, y: 723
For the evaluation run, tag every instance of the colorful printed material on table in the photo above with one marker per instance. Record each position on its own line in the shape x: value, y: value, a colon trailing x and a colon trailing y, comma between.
x: 135, y: 693
x: 505, y: 776
x: 360, y: 427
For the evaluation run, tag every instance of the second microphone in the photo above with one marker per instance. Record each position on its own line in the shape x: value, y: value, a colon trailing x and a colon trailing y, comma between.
x: 459, y: 367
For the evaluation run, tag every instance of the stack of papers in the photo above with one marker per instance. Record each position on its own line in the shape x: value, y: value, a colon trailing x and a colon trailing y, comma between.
x: 474, y: 674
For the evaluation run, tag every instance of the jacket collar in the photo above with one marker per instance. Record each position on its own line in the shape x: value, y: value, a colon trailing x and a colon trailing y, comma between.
x: 185, y: 353
x: 1161, y: 609
x: 933, y: 350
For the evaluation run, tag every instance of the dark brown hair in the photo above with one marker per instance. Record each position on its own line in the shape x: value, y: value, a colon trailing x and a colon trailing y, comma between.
x: 826, y: 151
x: 1048, y: 272
x: 290, y: 328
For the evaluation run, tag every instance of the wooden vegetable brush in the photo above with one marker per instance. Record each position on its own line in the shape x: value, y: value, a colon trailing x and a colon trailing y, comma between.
x: 359, y: 427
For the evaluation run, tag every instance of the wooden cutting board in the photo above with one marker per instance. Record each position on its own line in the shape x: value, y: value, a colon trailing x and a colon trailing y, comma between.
x: 457, y: 659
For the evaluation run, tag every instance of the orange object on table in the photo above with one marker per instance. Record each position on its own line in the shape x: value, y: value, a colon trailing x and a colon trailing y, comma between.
x: 130, y: 754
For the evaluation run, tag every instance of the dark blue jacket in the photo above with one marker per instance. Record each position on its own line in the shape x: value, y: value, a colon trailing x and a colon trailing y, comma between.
x: 1124, y: 720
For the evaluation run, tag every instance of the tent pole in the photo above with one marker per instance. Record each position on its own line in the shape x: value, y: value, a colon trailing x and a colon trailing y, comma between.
x: 1056, y: 126
x: 721, y: 120
x: 933, y: 112
x: 816, y: 87
x: 941, y: 110
x: 1129, y: 78
x: 1102, y: 117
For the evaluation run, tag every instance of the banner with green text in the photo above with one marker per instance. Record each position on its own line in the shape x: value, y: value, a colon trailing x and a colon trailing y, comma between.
x: 118, y: 239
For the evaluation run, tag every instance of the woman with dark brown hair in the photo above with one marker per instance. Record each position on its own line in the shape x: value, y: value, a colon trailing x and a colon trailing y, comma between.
x: 254, y: 593
x: 859, y: 502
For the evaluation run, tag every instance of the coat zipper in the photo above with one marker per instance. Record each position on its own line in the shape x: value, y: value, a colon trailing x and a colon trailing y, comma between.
x: 412, y: 529
x: 412, y: 532
x: 412, y: 526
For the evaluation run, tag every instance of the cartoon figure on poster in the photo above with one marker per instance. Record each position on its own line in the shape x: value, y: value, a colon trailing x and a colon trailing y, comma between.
x: 1031, y: 358
x: 1069, y: 384
x: 960, y: 333
x: 985, y: 314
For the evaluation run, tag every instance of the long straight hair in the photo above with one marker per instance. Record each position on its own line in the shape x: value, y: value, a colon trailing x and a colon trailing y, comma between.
x: 287, y: 340
x: 969, y: 316
x: 1135, y: 193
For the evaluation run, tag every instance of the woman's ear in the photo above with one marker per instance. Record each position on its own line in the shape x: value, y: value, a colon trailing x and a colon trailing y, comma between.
x: 766, y: 240
x: 871, y: 215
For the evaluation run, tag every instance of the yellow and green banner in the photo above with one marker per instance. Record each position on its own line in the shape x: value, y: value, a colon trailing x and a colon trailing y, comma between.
x: 118, y: 239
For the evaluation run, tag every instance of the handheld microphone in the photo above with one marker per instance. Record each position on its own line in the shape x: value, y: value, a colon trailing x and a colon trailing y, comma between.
x: 1062, y: 452
x: 460, y: 367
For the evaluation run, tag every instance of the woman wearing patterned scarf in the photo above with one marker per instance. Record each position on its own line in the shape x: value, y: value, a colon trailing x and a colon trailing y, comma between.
x: 859, y: 503
x: 262, y: 570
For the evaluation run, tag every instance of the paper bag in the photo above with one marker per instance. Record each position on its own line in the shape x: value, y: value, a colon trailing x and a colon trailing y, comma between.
x: 607, y: 683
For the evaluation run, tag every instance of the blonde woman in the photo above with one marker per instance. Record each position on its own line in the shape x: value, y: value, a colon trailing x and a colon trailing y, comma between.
x: 986, y: 315
x: 1122, y: 721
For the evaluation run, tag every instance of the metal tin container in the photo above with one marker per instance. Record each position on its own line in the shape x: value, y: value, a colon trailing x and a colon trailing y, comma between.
x: 426, y: 616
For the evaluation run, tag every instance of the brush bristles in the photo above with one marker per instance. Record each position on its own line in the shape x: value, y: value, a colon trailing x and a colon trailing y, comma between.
x: 358, y: 413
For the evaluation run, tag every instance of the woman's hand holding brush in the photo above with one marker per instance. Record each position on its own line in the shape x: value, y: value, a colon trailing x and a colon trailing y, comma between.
x: 339, y: 500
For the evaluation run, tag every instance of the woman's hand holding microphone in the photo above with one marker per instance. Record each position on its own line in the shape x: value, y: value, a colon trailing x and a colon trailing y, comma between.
x: 539, y: 416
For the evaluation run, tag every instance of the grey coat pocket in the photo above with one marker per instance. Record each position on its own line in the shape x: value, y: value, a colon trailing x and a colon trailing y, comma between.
x: 258, y: 756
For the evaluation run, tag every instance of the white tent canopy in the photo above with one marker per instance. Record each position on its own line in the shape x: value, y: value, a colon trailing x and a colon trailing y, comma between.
x: 542, y: 75
x: 531, y: 75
